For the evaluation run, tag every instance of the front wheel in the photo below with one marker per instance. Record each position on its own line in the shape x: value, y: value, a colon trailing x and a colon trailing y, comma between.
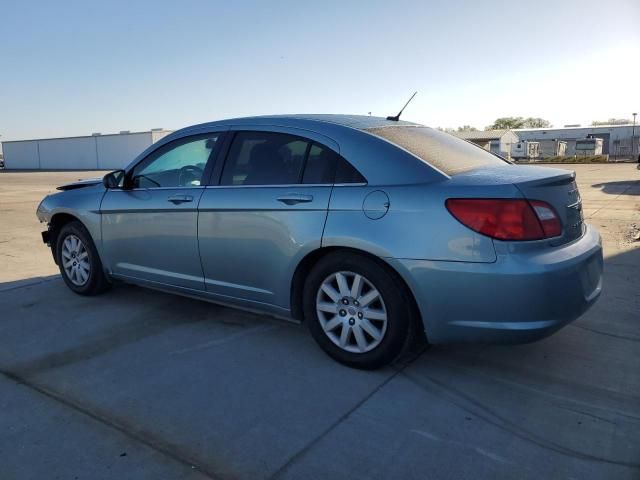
x: 356, y: 310
x: 78, y: 260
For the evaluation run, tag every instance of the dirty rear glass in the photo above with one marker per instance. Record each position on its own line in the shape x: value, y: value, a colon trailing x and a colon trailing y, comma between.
x: 447, y: 153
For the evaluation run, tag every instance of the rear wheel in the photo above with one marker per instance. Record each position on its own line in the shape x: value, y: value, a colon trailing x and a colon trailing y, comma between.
x: 356, y: 310
x: 78, y: 260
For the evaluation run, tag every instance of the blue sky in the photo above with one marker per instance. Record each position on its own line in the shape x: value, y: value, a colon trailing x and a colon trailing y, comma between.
x: 73, y: 68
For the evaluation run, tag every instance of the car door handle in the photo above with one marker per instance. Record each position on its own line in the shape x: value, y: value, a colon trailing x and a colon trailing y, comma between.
x: 176, y: 199
x: 293, y: 198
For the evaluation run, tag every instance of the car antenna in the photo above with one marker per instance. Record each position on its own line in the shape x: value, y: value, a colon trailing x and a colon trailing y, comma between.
x: 397, y: 117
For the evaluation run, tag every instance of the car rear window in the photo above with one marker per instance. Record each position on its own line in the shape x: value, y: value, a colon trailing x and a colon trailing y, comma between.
x: 447, y: 153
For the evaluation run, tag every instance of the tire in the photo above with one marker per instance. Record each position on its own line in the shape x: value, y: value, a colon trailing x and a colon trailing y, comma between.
x: 356, y: 311
x: 84, y: 273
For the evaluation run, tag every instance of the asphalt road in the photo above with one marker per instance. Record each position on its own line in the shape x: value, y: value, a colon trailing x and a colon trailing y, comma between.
x: 137, y: 384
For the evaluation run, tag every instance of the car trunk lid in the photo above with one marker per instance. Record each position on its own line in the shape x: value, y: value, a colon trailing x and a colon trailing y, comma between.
x: 555, y: 186
x: 558, y: 188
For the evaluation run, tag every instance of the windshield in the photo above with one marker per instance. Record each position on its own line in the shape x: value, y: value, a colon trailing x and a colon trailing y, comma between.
x: 447, y: 153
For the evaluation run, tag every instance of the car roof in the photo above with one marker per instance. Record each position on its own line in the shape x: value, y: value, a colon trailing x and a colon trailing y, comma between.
x: 317, y: 122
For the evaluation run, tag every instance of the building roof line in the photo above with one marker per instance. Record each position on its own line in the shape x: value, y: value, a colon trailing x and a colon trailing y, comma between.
x: 589, y: 127
x: 85, y: 136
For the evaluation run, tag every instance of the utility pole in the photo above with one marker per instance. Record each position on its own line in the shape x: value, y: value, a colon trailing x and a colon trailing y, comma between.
x: 633, y: 136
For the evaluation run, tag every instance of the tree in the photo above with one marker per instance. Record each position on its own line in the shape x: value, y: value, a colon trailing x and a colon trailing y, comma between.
x: 504, y: 123
x: 537, y: 122
x: 611, y: 121
x: 467, y: 128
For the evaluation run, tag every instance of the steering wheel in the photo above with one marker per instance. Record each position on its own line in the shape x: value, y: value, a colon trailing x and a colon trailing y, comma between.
x: 189, y: 171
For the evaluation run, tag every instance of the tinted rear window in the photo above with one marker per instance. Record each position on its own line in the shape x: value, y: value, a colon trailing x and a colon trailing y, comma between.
x: 447, y: 153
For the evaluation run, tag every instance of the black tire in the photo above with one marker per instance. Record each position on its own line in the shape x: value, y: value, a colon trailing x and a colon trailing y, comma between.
x: 96, y: 282
x: 399, y: 313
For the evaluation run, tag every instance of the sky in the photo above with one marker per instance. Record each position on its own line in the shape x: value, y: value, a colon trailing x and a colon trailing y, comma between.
x: 76, y: 67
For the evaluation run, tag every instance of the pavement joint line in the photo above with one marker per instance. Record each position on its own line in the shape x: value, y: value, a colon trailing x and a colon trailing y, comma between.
x: 296, y: 456
x: 157, y: 446
x: 468, y: 404
x: 553, y: 398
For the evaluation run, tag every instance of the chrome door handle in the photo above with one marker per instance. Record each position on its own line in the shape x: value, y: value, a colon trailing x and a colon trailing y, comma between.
x: 293, y: 198
x: 176, y: 199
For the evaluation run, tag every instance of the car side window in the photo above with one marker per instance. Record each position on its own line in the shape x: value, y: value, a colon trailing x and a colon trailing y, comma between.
x: 347, y: 173
x: 264, y: 158
x: 269, y: 158
x: 320, y: 165
x: 179, y: 164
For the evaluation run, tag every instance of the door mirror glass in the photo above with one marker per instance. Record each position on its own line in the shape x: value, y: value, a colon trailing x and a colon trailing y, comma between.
x: 114, y: 180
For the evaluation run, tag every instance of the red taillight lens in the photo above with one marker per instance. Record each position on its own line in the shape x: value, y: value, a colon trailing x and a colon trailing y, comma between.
x: 506, y: 219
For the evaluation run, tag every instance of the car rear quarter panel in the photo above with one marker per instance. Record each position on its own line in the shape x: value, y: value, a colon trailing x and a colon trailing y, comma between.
x: 416, y: 226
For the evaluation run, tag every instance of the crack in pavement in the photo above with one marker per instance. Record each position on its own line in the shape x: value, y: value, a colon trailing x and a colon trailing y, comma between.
x: 600, y: 332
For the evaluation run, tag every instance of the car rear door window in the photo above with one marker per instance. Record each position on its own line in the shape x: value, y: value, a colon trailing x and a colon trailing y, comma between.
x: 268, y: 158
x: 347, y: 173
x: 264, y: 158
x: 320, y: 165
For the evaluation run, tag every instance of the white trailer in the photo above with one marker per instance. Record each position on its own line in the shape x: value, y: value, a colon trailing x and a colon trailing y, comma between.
x: 589, y: 146
x: 525, y: 150
x: 552, y: 148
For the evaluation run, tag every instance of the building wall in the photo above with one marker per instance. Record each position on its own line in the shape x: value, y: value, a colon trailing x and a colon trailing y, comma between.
x: 506, y: 141
x: 616, y: 139
x: 68, y: 154
x: 100, y: 152
x: 158, y: 134
x: 21, y: 155
x: 116, y: 151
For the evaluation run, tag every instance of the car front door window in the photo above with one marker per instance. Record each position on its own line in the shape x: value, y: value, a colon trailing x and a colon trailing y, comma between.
x: 177, y: 166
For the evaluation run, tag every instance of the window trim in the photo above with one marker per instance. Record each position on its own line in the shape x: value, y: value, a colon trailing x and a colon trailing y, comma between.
x: 223, y: 157
x: 162, y: 149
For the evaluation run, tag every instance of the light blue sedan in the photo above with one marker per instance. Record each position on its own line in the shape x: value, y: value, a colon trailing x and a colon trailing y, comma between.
x: 375, y: 232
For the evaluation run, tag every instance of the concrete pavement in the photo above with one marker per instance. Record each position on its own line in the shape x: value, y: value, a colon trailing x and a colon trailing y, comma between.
x: 139, y: 384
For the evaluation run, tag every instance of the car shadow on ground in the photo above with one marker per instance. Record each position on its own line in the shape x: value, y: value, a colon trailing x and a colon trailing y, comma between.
x: 626, y: 187
x: 27, y: 282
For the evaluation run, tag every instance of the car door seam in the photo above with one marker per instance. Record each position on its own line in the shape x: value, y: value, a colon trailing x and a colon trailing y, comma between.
x: 204, y: 281
x: 326, y: 217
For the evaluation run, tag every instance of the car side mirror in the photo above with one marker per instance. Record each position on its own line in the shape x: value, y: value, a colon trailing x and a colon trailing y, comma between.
x: 114, y: 180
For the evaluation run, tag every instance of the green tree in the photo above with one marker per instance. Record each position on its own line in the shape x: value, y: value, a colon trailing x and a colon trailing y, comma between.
x: 467, y: 128
x: 537, y: 122
x: 503, y: 123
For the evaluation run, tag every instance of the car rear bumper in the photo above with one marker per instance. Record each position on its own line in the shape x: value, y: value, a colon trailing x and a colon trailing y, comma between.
x: 520, y: 298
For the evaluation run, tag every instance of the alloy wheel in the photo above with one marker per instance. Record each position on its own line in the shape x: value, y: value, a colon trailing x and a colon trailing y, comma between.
x: 75, y: 260
x: 351, y: 311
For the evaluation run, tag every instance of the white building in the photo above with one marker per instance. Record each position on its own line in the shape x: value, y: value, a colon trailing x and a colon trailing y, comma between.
x: 496, y: 141
x: 616, y: 139
x: 95, y: 152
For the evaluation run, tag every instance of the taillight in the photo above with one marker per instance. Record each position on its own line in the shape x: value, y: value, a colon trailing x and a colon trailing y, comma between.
x: 548, y: 218
x: 506, y: 219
